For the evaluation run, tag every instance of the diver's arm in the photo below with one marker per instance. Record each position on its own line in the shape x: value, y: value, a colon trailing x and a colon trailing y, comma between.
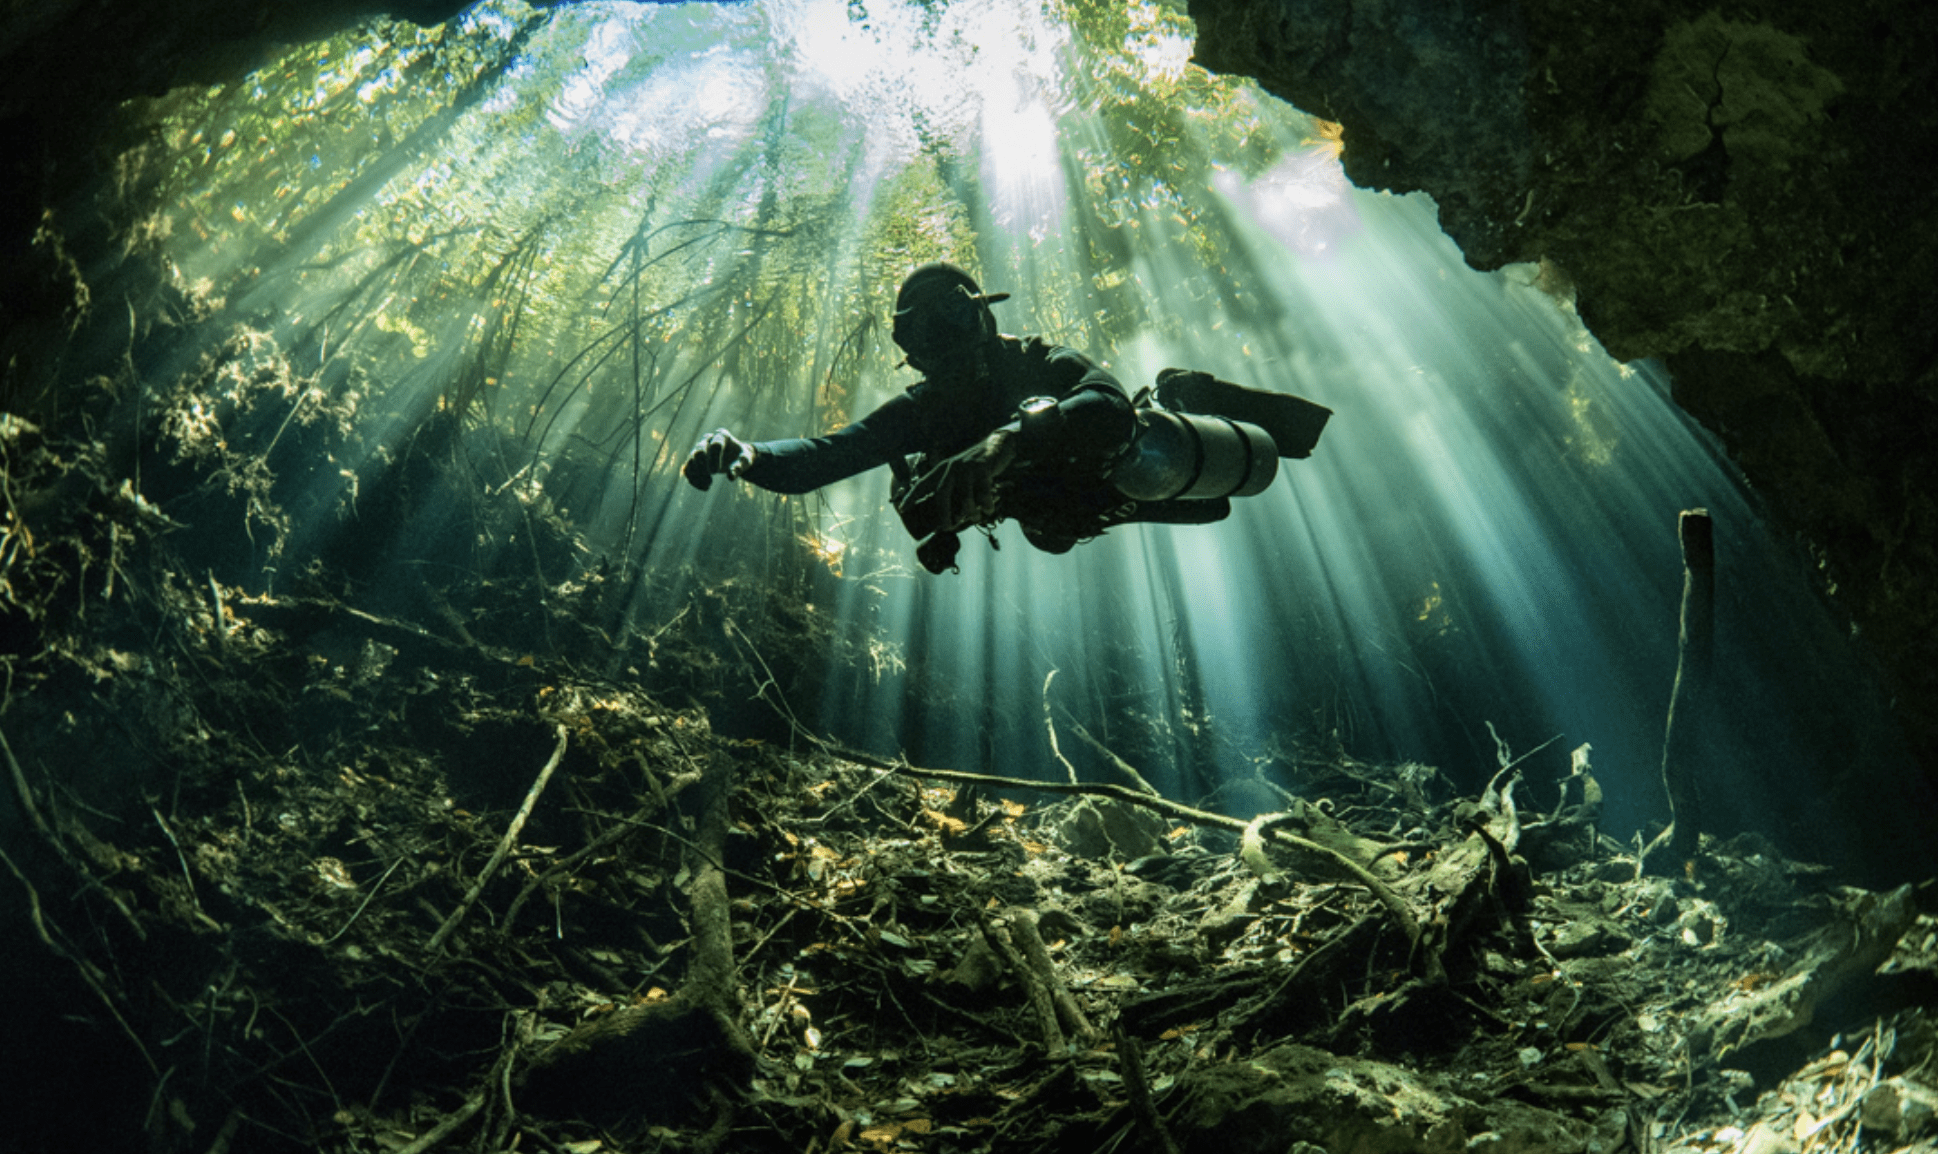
x: 802, y: 464
x: 1083, y: 433
x: 1084, y: 374
x: 1091, y: 422
x: 718, y: 452
x: 1093, y: 417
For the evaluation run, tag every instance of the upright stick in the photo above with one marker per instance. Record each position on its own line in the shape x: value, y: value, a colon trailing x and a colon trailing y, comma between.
x: 1682, y: 743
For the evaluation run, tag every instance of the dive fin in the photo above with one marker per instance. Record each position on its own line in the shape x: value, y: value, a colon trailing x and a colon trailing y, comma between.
x: 1293, y: 422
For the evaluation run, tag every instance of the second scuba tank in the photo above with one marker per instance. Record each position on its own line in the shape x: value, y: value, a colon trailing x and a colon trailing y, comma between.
x: 1178, y: 456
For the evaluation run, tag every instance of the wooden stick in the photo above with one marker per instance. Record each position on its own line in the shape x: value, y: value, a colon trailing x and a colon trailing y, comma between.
x: 565, y: 865
x: 1117, y: 763
x: 1682, y: 746
x: 1049, y: 723
x: 46, y: 831
x: 504, y: 847
x: 1029, y: 940
x: 1034, y: 987
x: 1140, y: 1090
x: 709, y: 980
x: 26, y: 793
x: 90, y: 973
x: 447, y: 1126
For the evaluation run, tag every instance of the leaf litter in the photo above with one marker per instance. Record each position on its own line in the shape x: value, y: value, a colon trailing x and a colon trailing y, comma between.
x: 292, y: 871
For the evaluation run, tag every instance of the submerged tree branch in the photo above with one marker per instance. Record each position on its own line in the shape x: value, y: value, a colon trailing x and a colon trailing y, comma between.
x: 1049, y: 723
x: 1117, y: 763
x: 504, y: 848
x: 1395, y: 905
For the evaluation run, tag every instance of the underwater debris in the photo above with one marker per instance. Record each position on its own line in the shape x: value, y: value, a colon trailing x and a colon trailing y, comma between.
x: 695, y: 936
x: 283, y: 879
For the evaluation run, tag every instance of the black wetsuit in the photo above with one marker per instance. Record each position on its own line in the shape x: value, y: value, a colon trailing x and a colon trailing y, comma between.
x: 940, y: 418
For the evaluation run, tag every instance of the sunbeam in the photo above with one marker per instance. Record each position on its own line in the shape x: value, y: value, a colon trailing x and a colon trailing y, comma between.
x: 562, y: 244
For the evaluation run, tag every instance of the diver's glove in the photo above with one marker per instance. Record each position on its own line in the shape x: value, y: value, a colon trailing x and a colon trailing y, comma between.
x: 960, y: 491
x: 717, y: 452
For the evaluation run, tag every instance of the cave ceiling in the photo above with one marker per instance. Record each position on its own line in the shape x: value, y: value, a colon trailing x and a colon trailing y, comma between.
x: 1740, y: 190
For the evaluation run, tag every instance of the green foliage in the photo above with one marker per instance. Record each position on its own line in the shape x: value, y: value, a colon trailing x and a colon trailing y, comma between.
x: 595, y: 227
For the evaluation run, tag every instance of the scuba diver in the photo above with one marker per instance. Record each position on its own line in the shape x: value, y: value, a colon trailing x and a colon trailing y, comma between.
x: 1004, y: 427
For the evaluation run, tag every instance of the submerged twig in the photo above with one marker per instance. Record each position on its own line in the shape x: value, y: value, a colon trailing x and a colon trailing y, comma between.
x: 221, y: 614
x: 1029, y: 941
x: 25, y: 792
x: 1034, y: 986
x: 1049, y: 723
x: 438, y: 1133
x: 1118, y: 763
x: 179, y: 856
x: 566, y: 864
x: 367, y: 900
x: 46, y: 831
x: 1507, y: 763
x: 504, y: 847
x: 1139, y: 1087
x: 1682, y: 751
x: 88, y: 971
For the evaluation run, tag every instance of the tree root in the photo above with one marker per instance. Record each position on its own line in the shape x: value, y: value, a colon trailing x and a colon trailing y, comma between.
x: 677, y: 1058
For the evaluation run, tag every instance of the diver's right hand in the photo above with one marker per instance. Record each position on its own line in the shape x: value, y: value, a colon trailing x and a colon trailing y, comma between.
x: 960, y: 492
x: 717, y: 452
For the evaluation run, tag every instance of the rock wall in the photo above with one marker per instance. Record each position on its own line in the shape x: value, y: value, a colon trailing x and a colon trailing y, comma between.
x: 1742, y: 190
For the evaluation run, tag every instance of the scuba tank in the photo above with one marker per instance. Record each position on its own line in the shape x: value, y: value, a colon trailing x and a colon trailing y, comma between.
x: 1212, y: 441
x: 1187, y: 457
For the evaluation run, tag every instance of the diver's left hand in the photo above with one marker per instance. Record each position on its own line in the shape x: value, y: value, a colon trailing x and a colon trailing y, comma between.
x: 962, y: 490
x: 717, y: 452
